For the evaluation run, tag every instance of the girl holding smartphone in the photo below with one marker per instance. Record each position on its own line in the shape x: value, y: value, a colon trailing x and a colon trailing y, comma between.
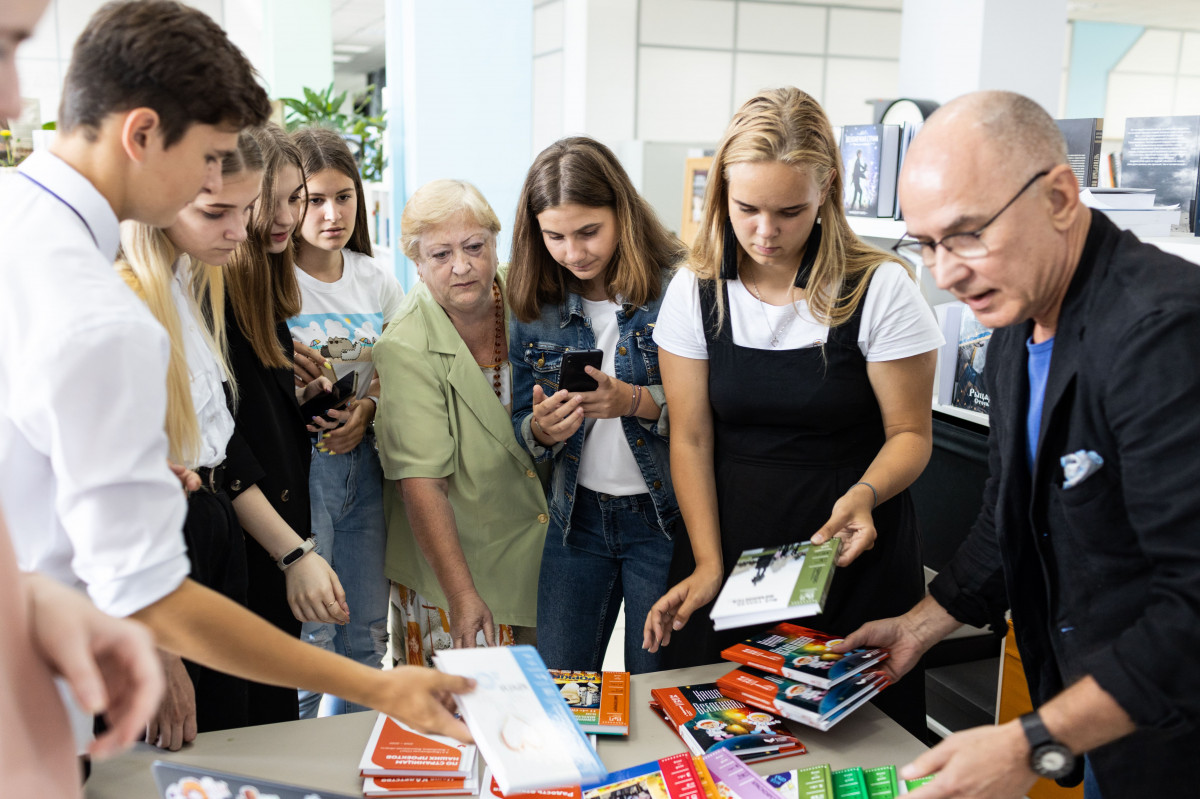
x: 347, y: 299
x: 590, y: 261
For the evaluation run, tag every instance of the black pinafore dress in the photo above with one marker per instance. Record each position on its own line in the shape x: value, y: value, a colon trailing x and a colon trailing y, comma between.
x: 793, y: 430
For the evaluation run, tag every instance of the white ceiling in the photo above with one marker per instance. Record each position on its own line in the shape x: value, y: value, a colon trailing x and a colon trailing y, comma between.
x: 361, y: 22
x: 1151, y: 13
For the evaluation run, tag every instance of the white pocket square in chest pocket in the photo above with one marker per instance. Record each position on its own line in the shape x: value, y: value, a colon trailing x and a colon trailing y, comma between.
x: 1079, y: 466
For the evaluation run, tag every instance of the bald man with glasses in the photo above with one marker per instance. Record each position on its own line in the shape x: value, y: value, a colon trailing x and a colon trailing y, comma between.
x: 1090, y: 526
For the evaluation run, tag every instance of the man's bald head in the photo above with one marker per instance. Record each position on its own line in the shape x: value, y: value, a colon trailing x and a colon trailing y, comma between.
x: 980, y: 156
x: 995, y: 130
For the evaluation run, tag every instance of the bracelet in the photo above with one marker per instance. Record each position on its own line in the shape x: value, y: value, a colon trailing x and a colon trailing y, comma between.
x: 291, y: 556
x: 874, y: 493
x: 535, y: 422
x: 635, y: 400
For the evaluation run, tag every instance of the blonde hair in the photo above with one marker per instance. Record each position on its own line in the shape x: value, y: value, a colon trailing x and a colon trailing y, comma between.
x: 145, y: 262
x: 436, y: 203
x: 788, y: 126
x: 262, y: 286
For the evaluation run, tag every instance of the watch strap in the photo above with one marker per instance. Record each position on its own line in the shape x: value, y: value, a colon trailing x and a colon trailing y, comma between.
x: 1035, y: 731
x: 293, y: 555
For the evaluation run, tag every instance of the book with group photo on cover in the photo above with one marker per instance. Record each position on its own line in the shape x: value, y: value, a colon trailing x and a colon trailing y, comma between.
x: 707, y: 720
x: 598, y: 699
x: 776, y: 583
x: 803, y: 655
x: 817, y: 707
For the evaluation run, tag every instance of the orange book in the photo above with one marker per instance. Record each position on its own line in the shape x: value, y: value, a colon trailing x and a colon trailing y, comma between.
x: 419, y: 786
x: 598, y: 700
x: 395, y: 750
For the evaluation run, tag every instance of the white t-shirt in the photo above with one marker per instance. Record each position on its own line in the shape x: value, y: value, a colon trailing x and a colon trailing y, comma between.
x: 207, y: 378
x: 896, y: 320
x: 607, y: 465
x: 344, y: 319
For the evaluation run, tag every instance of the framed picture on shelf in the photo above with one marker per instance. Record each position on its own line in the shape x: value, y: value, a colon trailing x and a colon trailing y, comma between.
x: 695, y: 182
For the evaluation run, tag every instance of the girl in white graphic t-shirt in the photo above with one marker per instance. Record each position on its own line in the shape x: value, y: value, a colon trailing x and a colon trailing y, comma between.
x: 347, y: 300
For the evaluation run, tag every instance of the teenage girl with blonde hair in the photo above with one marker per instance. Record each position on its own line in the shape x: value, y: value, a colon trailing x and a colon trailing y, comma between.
x: 177, y: 271
x: 798, y: 366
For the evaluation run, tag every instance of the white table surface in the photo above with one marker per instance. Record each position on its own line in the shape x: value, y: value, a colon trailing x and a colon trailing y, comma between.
x: 323, y: 753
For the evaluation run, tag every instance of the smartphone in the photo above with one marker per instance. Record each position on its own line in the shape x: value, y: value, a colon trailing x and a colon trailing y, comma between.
x: 571, y: 375
x: 343, y: 391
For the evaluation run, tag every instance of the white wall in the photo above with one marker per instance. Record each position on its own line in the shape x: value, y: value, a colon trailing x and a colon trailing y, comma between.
x: 655, y: 78
x: 42, y: 61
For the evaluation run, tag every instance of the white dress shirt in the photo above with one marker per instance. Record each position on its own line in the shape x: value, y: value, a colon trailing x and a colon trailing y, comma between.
x: 83, y: 455
x: 206, y: 376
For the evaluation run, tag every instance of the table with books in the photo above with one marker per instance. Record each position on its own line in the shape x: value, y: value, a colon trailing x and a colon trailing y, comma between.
x: 325, y: 755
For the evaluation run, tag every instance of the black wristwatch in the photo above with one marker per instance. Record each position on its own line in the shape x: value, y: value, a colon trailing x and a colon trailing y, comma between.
x: 1047, y: 757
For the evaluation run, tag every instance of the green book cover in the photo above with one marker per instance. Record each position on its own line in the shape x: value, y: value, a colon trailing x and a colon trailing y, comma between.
x: 882, y: 782
x: 812, y: 586
x: 815, y: 782
x: 849, y: 783
x: 918, y: 782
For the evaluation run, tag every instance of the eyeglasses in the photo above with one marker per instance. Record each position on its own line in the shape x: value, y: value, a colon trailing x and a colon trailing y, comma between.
x: 968, y: 244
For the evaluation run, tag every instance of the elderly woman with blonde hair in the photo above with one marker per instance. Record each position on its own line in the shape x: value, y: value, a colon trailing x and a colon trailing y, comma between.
x: 468, y: 518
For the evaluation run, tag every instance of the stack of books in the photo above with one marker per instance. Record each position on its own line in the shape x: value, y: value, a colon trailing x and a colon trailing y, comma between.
x: 822, y: 782
x: 791, y: 671
x: 525, y: 731
x: 707, y: 720
x: 398, y: 761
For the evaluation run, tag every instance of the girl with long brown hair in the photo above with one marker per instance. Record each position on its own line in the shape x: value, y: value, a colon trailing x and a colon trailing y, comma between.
x: 590, y: 261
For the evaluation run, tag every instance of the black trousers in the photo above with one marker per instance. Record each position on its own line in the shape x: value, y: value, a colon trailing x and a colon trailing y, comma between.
x: 217, y: 552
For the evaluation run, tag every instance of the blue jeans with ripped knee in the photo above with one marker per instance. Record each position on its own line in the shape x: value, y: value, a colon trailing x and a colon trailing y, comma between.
x: 346, y: 495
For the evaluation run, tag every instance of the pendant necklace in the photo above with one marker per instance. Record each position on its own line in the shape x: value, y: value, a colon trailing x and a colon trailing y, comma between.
x: 777, y: 333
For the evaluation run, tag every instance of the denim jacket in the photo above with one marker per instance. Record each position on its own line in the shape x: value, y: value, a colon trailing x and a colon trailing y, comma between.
x: 535, y: 351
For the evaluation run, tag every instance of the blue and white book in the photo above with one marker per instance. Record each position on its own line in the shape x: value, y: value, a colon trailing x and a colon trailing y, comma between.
x: 523, y: 728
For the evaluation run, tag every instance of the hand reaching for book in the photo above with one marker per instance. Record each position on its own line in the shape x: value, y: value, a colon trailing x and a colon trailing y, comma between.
x: 906, y: 637
x: 985, y: 762
x: 851, y: 521
x: 672, y: 611
x: 424, y: 699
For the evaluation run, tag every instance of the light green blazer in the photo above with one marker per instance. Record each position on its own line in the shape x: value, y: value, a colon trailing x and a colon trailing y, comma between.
x: 439, y: 417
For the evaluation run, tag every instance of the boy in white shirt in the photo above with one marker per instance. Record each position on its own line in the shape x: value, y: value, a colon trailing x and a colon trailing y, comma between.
x: 84, y: 477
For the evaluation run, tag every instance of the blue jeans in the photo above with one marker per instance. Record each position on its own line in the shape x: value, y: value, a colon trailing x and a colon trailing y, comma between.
x: 614, y: 550
x: 346, y: 495
x: 1091, y: 789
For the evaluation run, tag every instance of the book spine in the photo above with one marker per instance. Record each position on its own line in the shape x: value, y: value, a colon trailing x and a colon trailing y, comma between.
x: 1094, y: 159
x: 737, y: 776
x: 614, y: 698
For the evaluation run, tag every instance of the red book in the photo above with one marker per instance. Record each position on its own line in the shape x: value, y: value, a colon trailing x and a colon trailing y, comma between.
x: 803, y: 655
x: 395, y: 750
x: 707, y: 720
x: 807, y: 704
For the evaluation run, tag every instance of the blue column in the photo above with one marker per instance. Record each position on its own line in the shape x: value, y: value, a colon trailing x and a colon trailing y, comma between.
x: 460, y: 75
x: 1096, y: 47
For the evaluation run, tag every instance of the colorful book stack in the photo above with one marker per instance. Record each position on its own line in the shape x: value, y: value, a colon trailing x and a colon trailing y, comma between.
x: 796, y: 675
x: 599, y: 700
x: 822, y: 782
x: 707, y: 720
x: 399, y: 761
x: 523, y: 728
